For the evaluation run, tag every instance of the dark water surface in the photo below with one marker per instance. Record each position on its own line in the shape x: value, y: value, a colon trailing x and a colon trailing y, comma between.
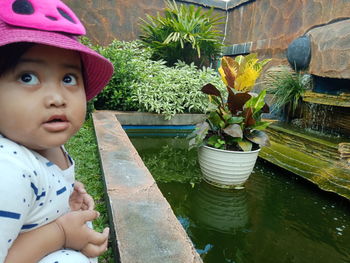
x: 277, y: 217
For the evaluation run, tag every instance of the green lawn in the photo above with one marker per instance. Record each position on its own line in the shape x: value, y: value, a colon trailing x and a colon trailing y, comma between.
x: 83, y: 148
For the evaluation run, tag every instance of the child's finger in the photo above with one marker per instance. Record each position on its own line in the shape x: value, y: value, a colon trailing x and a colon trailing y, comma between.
x: 89, y: 215
x: 78, y: 186
x: 89, y: 202
x: 91, y: 250
x: 97, y: 238
x: 84, y: 207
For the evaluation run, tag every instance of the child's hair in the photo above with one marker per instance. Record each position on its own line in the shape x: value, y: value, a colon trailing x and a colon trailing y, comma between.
x: 10, y: 55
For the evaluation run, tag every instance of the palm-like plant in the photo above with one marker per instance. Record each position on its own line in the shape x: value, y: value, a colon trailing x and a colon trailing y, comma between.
x: 184, y: 33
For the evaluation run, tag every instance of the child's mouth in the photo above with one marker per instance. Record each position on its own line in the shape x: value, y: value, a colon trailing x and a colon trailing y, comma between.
x: 55, y: 120
x: 56, y: 123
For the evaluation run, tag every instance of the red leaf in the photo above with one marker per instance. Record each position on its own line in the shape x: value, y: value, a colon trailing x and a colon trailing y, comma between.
x: 248, y: 116
x: 265, y: 109
x: 210, y: 89
x: 228, y: 65
x: 236, y: 101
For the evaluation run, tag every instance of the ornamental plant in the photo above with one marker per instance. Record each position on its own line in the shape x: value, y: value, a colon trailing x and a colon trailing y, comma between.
x: 185, y: 33
x: 142, y: 84
x: 287, y: 88
x: 234, y: 123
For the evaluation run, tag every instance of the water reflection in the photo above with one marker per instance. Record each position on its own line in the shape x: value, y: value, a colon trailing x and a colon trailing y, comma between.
x: 277, y: 218
x: 220, y: 210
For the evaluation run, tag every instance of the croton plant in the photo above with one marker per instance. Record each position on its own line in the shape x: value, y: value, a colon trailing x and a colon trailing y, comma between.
x: 234, y: 123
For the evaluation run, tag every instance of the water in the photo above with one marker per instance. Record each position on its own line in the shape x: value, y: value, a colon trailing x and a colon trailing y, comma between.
x: 277, y: 217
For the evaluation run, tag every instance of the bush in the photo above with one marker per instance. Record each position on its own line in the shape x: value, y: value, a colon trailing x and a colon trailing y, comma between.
x: 125, y: 57
x: 142, y: 84
x: 172, y: 90
x: 184, y: 33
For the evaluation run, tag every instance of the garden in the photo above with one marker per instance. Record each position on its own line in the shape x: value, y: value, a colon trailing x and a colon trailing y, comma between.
x: 290, y: 203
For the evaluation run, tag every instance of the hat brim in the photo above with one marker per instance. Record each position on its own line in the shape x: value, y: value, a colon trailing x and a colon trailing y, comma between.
x: 97, y: 70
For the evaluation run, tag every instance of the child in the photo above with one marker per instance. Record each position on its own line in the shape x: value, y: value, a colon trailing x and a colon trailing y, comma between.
x: 46, y: 77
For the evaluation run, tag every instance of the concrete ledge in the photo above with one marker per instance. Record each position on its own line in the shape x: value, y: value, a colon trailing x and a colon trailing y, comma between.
x: 220, y: 4
x: 145, y: 118
x: 146, y: 228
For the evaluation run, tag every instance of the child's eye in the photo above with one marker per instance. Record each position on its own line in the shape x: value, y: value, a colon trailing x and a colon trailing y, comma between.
x: 69, y: 79
x: 29, y: 78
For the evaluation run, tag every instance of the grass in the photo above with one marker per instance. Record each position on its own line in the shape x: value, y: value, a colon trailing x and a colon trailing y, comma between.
x: 287, y: 89
x: 83, y: 149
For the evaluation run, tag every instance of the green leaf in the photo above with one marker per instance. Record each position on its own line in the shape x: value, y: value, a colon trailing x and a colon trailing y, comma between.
x: 226, y: 115
x: 216, y: 142
x: 198, y: 135
x: 245, y: 145
x: 261, y: 125
x: 183, y: 33
x: 215, y: 119
x: 212, y: 107
x: 234, y: 130
x: 236, y: 120
x: 256, y: 103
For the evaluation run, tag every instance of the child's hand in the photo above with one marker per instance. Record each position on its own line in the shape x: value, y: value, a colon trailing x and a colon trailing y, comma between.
x: 94, y: 250
x: 79, y: 236
x: 80, y: 199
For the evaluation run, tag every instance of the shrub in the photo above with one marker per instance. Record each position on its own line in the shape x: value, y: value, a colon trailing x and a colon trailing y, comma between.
x: 140, y: 83
x: 184, y: 33
x: 125, y: 57
x: 172, y: 90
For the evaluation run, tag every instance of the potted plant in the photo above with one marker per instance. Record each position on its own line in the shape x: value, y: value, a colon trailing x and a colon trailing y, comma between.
x: 230, y: 138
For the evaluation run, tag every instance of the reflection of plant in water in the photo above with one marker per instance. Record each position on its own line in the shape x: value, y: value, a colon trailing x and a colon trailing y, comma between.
x: 171, y: 164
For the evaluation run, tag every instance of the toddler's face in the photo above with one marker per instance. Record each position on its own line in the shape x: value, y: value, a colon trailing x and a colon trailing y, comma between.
x: 42, y: 101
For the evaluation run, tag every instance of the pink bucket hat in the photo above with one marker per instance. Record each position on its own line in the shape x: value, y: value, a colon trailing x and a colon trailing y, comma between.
x: 51, y: 22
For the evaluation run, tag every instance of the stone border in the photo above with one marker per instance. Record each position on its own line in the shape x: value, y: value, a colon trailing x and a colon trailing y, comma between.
x: 145, y: 227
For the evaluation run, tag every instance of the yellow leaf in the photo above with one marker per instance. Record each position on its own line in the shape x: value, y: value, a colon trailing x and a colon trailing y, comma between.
x: 246, y: 81
x: 241, y: 73
x: 223, y: 76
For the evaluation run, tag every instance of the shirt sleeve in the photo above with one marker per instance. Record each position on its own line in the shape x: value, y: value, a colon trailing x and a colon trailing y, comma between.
x: 16, y: 199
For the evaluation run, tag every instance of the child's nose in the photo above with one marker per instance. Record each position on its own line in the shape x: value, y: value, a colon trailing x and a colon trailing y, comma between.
x: 55, y: 97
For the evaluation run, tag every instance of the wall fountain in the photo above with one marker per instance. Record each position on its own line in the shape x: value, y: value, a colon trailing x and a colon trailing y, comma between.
x: 318, y: 148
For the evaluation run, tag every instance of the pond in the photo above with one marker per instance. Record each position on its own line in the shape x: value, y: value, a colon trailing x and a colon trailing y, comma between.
x: 277, y: 217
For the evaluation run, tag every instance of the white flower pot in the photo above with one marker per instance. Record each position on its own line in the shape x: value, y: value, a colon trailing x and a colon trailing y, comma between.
x: 226, y: 169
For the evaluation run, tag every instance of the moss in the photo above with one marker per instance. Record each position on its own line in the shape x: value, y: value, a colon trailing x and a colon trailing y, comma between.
x: 329, y: 176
